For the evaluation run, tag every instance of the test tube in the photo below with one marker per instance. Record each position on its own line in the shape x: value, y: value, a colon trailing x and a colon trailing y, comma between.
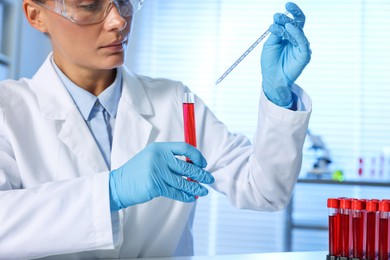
x: 358, y: 226
x: 334, y: 228
x: 189, y: 118
x: 371, y: 243
x: 189, y: 121
x: 384, y: 231
x: 345, y: 227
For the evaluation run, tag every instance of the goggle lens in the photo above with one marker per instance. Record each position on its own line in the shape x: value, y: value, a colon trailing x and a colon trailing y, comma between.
x: 91, y: 11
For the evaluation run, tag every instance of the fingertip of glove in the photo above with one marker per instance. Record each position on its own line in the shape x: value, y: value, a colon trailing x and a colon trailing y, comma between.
x: 276, y: 29
x: 290, y: 4
x: 209, y: 179
x: 204, y: 192
x: 292, y: 7
x: 293, y: 30
x: 277, y: 17
x: 203, y: 163
x: 290, y: 26
x: 190, y: 198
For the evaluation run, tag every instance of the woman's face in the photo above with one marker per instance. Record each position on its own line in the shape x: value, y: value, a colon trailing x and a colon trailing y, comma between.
x: 100, y: 46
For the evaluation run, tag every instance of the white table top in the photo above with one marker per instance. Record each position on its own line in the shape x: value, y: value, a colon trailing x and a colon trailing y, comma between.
x: 317, y: 255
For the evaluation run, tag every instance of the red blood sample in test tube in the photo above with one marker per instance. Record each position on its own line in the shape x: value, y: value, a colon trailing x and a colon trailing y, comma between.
x: 189, y: 118
x: 384, y: 231
x: 189, y: 121
x: 334, y: 226
x: 345, y: 226
x: 371, y: 232
x: 358, y: 227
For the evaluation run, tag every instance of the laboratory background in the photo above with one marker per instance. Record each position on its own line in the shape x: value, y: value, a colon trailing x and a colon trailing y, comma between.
x: 346, y: 153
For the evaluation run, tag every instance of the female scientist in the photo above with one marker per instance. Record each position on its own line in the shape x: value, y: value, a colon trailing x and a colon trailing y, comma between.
x: 90, y: 152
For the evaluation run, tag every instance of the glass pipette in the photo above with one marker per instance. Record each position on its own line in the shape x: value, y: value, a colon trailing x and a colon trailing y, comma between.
x: 243, y: 55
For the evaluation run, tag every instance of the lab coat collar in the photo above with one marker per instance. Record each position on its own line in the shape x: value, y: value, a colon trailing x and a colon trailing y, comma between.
x: 85, y: 100
x: 54, y: 100
x: 56, y: 103
x: 134, y: 94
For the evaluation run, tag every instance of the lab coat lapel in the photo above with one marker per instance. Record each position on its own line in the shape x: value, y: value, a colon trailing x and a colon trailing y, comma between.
x: 56, y: 104
x: 77, y: 136
x: 132, y: 130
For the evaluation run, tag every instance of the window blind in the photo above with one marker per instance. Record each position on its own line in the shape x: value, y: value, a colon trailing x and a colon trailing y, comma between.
x: 2, y: 9
x: 10, y: 18
x: 348, y: 78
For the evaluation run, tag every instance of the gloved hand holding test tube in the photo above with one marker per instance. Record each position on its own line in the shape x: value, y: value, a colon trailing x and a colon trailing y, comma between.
x: 128, y: 189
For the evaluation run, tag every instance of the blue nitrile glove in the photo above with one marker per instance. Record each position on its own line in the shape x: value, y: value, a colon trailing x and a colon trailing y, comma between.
x: 156, y: 171
x: 285, y: 54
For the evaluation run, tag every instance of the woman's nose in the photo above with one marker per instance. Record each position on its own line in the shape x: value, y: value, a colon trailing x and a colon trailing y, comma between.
x: 114, y: 19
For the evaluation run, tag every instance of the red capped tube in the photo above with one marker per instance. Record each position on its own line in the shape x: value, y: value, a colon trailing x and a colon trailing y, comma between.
x: 371, y: 231
x: 334, y: 226
x: 358, y: 208
x: 345, y: 227
x: 189, y: 121
x: 189, y: 118
x: 384, y: 231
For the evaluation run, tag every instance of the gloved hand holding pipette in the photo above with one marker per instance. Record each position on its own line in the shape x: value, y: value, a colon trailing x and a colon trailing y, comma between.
x: 285, y: 54
x: 156, y: 172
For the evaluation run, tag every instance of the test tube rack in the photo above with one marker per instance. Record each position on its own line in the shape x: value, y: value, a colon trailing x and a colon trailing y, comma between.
x: 358, y: 229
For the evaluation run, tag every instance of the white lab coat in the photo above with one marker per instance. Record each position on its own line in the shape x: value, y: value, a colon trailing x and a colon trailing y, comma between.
x: 54, y: 192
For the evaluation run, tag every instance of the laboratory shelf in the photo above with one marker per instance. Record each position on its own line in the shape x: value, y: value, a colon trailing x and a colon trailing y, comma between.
x: 368, y: 183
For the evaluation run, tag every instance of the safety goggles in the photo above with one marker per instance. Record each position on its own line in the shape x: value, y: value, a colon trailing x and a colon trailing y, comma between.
x: 84, y: 12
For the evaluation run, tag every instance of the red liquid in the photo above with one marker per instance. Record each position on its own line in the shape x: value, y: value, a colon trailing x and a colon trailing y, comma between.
x: 383, y: 239
x: 357, y: 237
x: 371, y: 235
x: 189, y: 126
x: 189, y: 123
x: 334, y: 235
x: 344, y: 235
